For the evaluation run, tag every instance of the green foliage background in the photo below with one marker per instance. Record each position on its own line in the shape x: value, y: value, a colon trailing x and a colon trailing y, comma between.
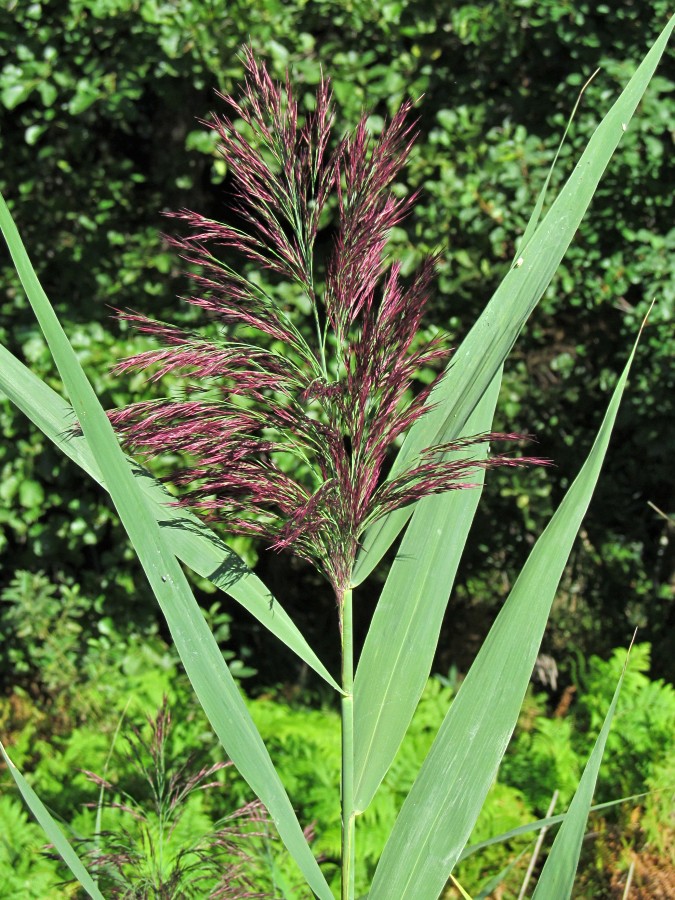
x: 546, y: 752
x: 99, y: 103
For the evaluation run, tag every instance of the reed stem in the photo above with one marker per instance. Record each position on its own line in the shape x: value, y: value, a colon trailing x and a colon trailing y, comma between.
x: 347, y: 793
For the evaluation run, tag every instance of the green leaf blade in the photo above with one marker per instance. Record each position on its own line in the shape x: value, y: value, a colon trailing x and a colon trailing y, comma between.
x: 399, y: 649
x: 557, y: 877
x: 52, y: 829
x: 537, y: 825
x: 439, y: 813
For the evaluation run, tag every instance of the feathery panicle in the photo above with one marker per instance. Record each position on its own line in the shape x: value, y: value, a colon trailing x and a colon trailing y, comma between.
x: 125, y: 857
x: 336, y: 415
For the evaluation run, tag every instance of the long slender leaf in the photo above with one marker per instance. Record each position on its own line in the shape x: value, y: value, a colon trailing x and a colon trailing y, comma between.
x: 446, y: 798
x: 52, y: 830
x: 199, y: 652
x: 389, y: 682
x: 188, y: 537
x: 557, y: 877
x: 399, y: 649
x: 533, y: 222
x: 539, y: 824
x: 488, y: 889
x: 494, y: 334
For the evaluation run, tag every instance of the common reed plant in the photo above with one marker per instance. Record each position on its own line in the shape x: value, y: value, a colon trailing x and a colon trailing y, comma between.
x: 144, y: 852
x: 337, y: 404
x: 293, y: 441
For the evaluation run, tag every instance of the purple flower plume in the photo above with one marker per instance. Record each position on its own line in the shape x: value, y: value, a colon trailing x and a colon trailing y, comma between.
x: 291, y: 436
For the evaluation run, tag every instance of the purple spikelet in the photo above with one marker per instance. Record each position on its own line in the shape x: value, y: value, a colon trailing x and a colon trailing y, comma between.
x: 337, y: 405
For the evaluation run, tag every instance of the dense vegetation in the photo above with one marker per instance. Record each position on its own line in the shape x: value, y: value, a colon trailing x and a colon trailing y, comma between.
x: 99, y: 104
